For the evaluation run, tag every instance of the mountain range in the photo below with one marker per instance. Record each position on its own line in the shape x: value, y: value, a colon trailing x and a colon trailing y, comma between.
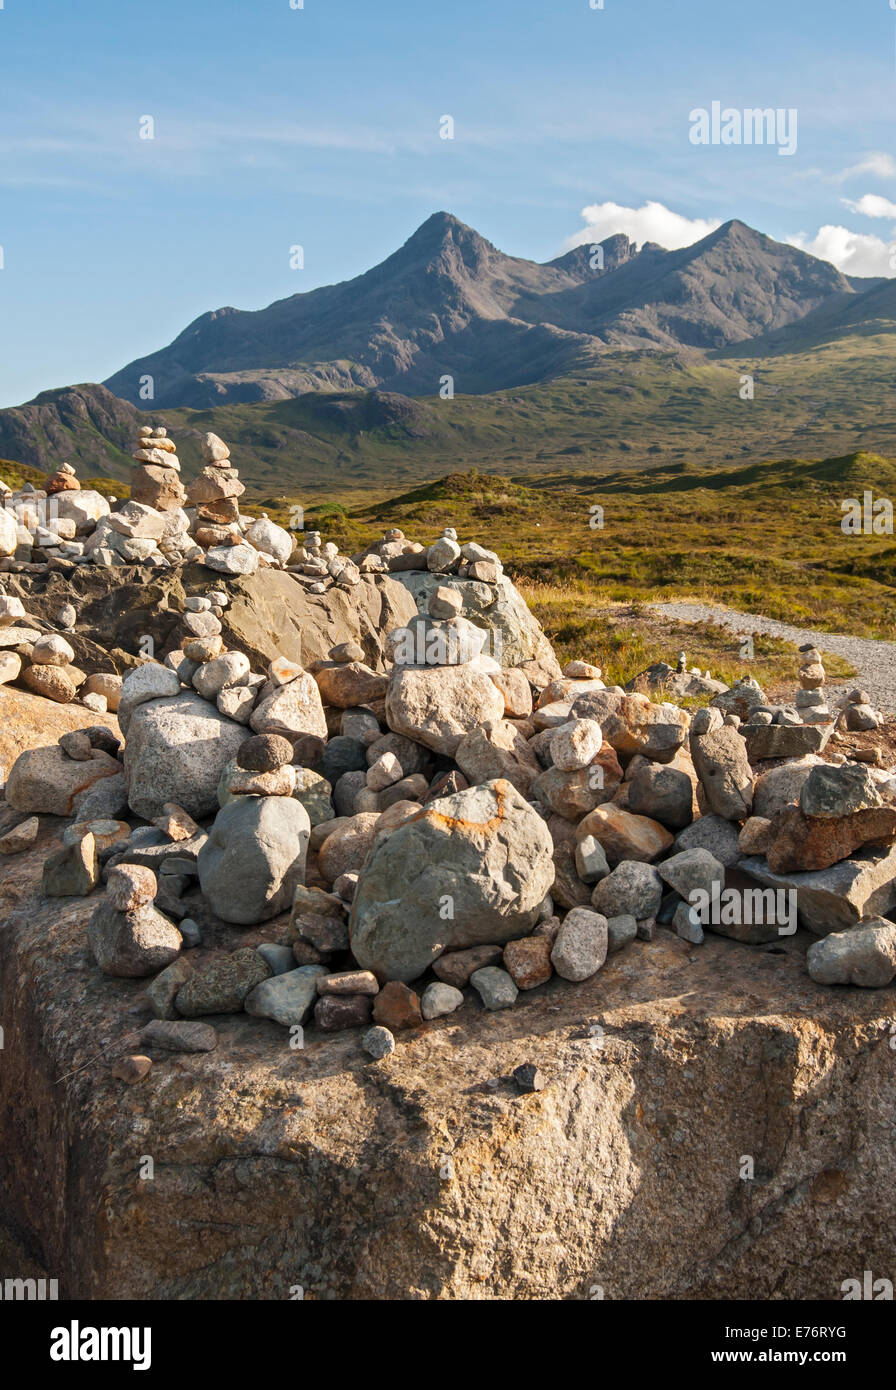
x: 611, y: 350
x: 449, y: 303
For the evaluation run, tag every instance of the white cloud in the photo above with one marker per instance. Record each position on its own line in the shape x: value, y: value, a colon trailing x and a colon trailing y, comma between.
x: 871, y: 205
x: 652, y: 222
x: 854, y: 253
x: 883, y: 165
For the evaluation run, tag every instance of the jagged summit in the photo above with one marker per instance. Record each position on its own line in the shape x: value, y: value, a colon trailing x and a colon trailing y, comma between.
x: 448, y: 300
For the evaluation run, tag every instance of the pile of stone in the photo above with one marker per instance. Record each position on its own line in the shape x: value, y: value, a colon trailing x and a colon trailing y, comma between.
x: 680, y: 681
x: 63, y: 480
x: 44, y: 661
x: 155, y: 478
x: 62, y: 525
x: 396, y: 554
x: 858, y: 713
x: 810, y: 698
x: 452, y: 827
x: 45, y: 528
x: 317, y: 563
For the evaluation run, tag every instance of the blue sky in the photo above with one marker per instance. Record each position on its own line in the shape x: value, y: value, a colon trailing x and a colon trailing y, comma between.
x: 319, y: 126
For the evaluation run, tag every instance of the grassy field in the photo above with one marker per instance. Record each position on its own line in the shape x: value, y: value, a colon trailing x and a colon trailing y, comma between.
x: 590, y: 551
x: 633, y: 410
x: 765, y: 538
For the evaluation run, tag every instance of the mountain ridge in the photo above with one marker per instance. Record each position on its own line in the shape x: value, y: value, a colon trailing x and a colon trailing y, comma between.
x: 449, y: 303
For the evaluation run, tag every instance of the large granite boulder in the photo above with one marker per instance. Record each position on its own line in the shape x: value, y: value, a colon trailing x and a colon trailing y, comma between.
x: 270, y: 613
x: 132, y: 943
x: 176, y: 750
x: 254, y: 858
x: 27, y: 721
x: 726, y: 778
x: 46, y: 781
x: 471, y: 868
x: 437, y: 706
x: 839, y: 896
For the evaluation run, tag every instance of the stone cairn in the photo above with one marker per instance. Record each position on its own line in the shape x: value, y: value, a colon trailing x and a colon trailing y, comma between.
x: 810, y: 698
x: 856, y: 710
x: 155, y: 478
x: 214, y: 495
x: 330, y: 813
x: 860, y: 716
x: 63, y: 480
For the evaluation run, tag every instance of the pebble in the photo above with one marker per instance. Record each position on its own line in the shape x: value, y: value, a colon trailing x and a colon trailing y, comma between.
x: 264, y: 753
x: 347, y: 651
x: 222, y: 985
x: 176, y: 823
x: 12, y: 610
x: 163, y: 991
x: 279, y: 958
x: 108, y: 834
x: 397, y: 1006
x: 52, y: 650
x: 191, y: 933
x: 131, y: 1069
x: 440, y: 999
x: 286, y: 998
x: 687, y: 924
x: 334, y: 1012
x: 72, y: 871
x: 620, y: 931
x: 494, y: 987
x: 345, y: 886
x: 457, y: 967
x: 21, y: 837
x: 348, y: 982
x: 130, y: 886
x: 378, y: 1042
x: 528, y: 1077
x: 581, y: 945
x: 199, y: 651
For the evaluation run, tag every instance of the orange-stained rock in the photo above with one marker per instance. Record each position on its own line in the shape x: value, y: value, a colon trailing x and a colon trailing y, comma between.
x: 624, y: 835
x: 528, y: 961
x: 397, y: 1006
x: 802, y: 843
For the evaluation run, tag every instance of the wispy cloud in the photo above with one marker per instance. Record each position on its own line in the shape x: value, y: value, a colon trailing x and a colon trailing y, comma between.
x: 877, y: 163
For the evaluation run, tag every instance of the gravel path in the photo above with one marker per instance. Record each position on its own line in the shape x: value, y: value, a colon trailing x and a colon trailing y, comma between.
x: 874, y: 661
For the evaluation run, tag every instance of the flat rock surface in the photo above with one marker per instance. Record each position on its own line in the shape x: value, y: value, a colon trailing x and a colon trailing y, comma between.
x: 429, y: 1174
x: 30, y: 721
x: 270, y: 612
